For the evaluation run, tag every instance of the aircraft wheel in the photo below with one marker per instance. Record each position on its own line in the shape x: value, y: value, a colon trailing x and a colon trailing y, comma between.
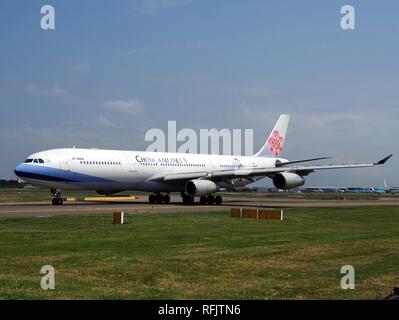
x: 166, y: 199
x: 159, y: 198
x: 57, y: 201
x: 218, y: 200
x: 151, y: 199
x: 211, y: 200
x: 203, y: 200
x: 187, y: 199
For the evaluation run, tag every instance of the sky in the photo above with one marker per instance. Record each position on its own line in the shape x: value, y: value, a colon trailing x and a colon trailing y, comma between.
x: 112, y: 70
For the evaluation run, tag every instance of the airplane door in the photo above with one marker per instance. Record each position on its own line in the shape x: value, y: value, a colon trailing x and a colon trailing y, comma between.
x: 64, y: 164
x: 132, y: 165
x: 211, y: 165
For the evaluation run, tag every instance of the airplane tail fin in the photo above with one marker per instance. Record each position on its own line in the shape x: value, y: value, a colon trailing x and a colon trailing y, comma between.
x: 274, y: 143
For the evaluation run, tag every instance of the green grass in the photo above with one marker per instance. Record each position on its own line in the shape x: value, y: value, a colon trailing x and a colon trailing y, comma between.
x: 203, y: 255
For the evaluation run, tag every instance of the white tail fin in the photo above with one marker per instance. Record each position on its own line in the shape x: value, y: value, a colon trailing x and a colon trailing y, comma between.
x: 274, y: 143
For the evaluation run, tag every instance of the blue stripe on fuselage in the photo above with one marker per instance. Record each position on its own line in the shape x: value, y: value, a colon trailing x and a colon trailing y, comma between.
x: 40, y: 172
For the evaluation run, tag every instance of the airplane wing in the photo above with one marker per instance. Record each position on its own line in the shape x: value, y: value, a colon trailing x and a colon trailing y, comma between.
x: 256, y: 172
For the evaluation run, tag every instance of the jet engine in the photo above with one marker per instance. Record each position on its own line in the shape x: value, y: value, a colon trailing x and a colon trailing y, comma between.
x: 288, y: 180
x: 200, y: 187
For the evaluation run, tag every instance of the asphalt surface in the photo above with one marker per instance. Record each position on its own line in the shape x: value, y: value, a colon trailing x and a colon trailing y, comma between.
x: 138, y: 206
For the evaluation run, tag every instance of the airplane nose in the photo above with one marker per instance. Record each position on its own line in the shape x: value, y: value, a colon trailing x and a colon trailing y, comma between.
x: 18, y: 170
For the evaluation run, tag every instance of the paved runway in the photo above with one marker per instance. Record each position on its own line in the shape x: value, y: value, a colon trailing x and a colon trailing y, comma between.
x: 45, y: 209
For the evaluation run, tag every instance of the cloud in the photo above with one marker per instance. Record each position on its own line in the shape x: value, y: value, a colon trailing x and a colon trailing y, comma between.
x: 154, y: 6
x: 105, y: 122
x: 321, y: 120
x: 133, y: 107
x: 54, y: 91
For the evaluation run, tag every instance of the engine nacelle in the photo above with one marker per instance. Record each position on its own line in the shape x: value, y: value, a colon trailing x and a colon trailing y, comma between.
x: 288, y: 180
x: 200, y: 187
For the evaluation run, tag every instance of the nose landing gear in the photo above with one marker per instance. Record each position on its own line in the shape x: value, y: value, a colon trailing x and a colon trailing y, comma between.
x: 57, y: 200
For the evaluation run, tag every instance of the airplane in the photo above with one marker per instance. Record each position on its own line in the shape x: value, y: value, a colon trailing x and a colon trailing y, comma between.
x: 193, y: 175
x: 391, y: 190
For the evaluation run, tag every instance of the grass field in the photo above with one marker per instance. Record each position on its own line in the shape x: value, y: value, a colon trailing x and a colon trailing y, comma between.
x: 203, y: 255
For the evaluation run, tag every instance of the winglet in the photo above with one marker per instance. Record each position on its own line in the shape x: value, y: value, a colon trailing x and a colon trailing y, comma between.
x: 383, y: 160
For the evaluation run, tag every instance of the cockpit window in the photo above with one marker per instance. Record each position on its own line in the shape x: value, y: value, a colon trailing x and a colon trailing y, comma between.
x: 28, y: 160
x: 35, y: 161
x: 41, y: 161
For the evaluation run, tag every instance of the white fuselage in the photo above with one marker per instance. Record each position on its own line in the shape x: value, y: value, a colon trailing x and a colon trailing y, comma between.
x: 115, y: 170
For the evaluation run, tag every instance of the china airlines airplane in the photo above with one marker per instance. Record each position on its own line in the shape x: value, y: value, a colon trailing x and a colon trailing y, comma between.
x: 193, y: 175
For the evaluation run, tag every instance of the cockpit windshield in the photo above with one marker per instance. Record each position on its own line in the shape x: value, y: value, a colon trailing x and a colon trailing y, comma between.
x: 34, y: 161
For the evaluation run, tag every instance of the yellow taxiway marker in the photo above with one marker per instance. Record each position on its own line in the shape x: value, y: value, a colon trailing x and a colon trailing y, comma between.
x: 105, y: 199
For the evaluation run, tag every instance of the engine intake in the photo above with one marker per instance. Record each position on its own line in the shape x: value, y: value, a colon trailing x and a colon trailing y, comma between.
x: 200, y: 187
x: 288, y: 180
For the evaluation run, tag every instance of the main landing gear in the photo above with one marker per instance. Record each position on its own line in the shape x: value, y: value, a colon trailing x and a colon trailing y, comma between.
x: 57, y: 200
x: 187, y: 199
x: 158, y: 198
x: 209, y: 199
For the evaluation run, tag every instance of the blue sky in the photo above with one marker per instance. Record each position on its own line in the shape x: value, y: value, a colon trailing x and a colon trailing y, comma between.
x: 112, y: 70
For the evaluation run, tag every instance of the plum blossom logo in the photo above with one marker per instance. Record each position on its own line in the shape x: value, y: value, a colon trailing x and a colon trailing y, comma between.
x: 276, y: 143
